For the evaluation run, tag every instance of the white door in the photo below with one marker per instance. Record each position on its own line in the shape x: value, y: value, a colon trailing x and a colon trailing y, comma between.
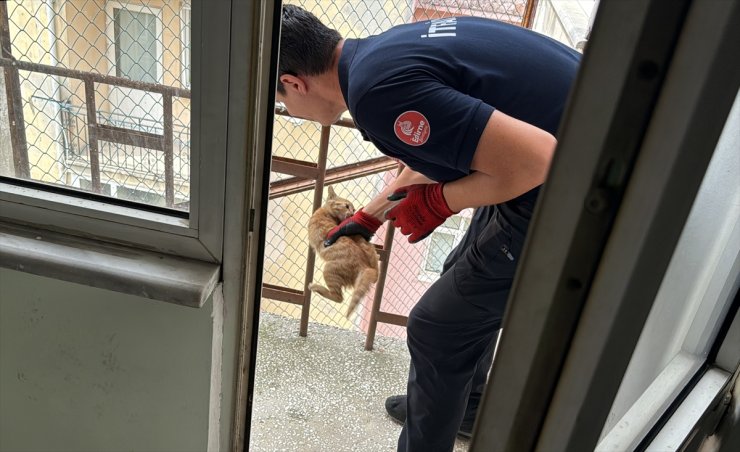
x: 135, y: 53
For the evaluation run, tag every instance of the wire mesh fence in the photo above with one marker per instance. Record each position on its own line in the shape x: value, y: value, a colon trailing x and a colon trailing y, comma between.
x: 83, y: 129
x: 87, y: 71
x: 411, y: 269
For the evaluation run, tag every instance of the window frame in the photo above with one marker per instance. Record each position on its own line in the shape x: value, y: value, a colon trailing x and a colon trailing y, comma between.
x: 226, y: 224
x: 619, y: 193
x: 706, y: 304
x: 195, y: 235
x: 457, y: 234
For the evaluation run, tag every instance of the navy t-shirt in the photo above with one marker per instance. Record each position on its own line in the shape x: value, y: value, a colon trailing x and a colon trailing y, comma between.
x: 424, y: 92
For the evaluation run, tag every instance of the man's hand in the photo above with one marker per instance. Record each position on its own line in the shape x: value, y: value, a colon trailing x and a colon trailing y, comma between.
x: 422, y: 209
x: 360, y: 223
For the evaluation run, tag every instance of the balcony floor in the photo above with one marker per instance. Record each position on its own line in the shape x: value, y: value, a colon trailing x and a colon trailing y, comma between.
x: 324, y: 392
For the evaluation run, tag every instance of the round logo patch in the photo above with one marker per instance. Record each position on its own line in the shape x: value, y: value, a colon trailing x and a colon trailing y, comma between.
x: 412, y: 128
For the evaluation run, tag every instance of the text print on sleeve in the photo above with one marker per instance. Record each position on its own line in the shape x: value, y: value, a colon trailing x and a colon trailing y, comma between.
x: 440, y: 28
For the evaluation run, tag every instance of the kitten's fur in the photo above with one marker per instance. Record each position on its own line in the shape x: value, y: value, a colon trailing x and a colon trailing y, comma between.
x: 350, y: 262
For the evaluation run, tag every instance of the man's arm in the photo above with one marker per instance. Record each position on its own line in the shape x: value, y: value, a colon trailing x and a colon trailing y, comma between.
x: 378, y: 205
x: 512, y: 157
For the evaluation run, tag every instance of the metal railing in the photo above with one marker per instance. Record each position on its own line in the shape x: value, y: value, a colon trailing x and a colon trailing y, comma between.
x: 314, y: 176
x: 76, y: 149
x: 96, y: 132
x: 300, y: 176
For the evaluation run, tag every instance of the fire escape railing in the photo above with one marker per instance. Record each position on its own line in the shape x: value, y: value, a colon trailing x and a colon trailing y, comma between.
x: 314, y: 175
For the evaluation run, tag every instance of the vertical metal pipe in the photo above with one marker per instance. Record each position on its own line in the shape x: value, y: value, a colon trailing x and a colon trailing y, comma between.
x: 92, y: 137
x: 379, y: 287
x: 169, y: 171
x: 15, y: 101
x: 529, y: 11
x: 317, y: 197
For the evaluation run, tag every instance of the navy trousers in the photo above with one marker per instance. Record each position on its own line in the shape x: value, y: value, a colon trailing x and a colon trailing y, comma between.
x: 452, y: 329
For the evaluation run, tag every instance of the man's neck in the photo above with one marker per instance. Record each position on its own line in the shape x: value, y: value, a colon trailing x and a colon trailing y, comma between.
x: 328, y: 83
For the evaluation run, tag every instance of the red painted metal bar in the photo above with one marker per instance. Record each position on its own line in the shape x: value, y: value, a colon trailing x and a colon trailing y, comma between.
x: 529, y: 12
x: 294, y: 185
x: 92, y: 139
x: 279, y: 293
x: 300, y: 169
x: 120, y: 135
x: 97, y: 78
x: 376, y: 315
x: 317, y: 200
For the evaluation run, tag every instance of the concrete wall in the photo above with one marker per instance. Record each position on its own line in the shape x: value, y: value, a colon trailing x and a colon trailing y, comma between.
x: 83, y: 369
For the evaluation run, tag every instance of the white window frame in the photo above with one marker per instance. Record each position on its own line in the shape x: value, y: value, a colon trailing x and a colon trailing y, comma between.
x: 457, y: 233
x: 556, y: 373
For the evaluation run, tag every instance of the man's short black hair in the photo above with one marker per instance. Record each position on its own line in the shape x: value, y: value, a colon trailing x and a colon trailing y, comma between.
x: 306, y: 45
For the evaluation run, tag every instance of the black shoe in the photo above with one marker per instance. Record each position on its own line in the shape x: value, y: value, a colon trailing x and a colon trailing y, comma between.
x: 396, y: 408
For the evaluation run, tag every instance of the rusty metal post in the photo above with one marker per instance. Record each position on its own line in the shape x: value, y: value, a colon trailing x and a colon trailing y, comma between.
x: 169, y: 170
x: 529, y: 11
x: 379, y: 287
x: 317, y: 198
x: 92, y: 137
x: 15, y: 100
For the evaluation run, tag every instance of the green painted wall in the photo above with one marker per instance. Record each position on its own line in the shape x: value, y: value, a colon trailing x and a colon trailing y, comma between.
x: 84, y: 369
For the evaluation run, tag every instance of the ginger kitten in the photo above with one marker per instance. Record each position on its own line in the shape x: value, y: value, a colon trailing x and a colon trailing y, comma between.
x: 351, y: 262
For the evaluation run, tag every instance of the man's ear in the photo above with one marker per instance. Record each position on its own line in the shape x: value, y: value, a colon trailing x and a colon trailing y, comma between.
x: 293, y: 83
x: 332, y: 195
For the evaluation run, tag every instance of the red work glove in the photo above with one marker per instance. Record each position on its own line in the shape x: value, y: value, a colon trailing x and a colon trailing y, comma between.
x: 423, y: 209
x: 359, y: 223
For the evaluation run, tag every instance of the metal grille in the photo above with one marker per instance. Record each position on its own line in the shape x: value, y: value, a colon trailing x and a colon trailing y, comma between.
x: 288, y: 262
x: 101, y: 96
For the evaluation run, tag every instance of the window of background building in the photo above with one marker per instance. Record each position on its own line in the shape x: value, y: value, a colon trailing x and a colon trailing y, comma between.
x: 442, y: 241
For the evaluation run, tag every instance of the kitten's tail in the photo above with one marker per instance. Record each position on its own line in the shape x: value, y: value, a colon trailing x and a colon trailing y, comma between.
x: 364, y: 280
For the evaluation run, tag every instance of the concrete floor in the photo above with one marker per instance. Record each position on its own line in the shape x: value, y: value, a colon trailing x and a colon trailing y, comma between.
x: 324, y: 392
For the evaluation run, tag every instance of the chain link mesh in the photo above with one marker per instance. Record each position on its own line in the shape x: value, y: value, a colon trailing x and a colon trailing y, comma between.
x: 144, y: 41
x: 148, y: 41
x: 411, y: 269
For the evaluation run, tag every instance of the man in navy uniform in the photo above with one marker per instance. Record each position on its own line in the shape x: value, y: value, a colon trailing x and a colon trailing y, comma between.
x: 471, y: 106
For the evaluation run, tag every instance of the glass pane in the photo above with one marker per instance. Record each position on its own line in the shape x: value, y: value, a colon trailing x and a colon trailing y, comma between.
x: 136, y: 45
x: 440, y: 246
x: 452, y: 222
x: 45, y: 132
x: 87, y: 186
x: 133, y: 194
